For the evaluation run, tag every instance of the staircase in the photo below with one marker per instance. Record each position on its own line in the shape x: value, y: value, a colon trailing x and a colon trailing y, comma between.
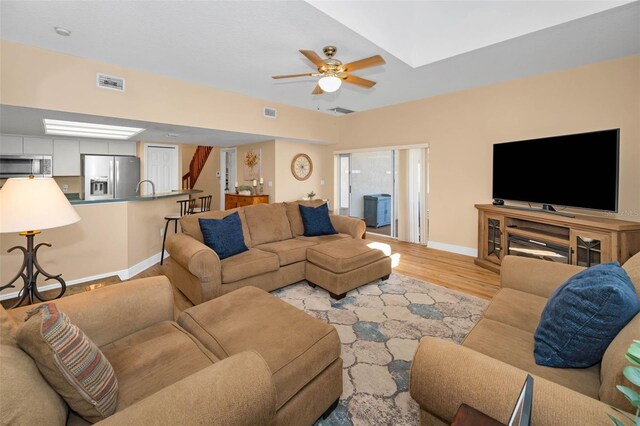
x: 195, y: 167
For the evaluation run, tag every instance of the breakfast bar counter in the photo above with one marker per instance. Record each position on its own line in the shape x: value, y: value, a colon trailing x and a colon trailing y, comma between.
x: 119, y: 237
x: 146, y: 197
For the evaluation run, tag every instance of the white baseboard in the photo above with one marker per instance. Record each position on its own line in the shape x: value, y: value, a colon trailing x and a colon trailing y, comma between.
x: 123, y: 274
x: 467, y: 251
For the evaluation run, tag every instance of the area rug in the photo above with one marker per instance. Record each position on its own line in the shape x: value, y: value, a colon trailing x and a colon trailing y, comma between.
x: 380, y: 326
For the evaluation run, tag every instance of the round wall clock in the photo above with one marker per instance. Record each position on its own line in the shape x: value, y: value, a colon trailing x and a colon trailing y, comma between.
x: 301, y: 166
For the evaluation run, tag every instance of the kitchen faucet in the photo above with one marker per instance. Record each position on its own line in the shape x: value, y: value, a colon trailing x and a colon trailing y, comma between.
x: 153, y: 186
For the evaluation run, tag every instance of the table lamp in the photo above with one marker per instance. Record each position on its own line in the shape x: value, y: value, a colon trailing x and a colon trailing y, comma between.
x: 28, y: 205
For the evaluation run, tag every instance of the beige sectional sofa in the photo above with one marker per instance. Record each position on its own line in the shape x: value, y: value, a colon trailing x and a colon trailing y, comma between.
x: 489, y: 368
x: 268, y: 364
x: 276, y: 256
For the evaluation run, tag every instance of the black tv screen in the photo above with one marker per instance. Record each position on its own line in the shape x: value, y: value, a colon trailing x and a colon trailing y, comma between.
x: 578, y: 170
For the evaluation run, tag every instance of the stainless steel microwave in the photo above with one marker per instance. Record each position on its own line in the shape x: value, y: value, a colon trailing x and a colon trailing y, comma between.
x: 25, y: 165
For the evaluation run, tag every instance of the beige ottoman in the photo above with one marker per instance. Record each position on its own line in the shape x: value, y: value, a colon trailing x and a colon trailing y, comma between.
x: 341, y: 266
x: 302, y: 352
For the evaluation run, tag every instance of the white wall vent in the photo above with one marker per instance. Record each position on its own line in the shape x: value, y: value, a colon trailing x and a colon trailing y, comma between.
x: 340, y: 110
x: 110, y: 82
x: 270, y: 112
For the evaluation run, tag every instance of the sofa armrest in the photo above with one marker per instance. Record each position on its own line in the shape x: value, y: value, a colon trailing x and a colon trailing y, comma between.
x: 348, y: 225
x: 194, y: 256
x: 110, y: 313
x: 235, y: 391
x: 534, y: 276
x: 444, y: 375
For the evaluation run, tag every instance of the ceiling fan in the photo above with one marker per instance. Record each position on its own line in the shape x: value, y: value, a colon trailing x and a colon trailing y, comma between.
x: 334, y: 72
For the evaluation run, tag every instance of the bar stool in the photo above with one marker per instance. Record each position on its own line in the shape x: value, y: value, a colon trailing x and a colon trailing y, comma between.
x: 186, y: 207
x: 205, y: 203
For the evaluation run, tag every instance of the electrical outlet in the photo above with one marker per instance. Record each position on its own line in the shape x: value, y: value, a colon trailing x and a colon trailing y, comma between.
x: 65, y: 188
x: 321, y: 181
x: 270, y: 184
x: 162, y: 232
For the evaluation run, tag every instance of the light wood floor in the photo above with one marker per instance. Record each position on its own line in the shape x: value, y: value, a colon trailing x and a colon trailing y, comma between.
x: 453, y: 271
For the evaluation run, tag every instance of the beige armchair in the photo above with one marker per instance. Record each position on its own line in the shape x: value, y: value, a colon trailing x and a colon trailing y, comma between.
x: 133, y: 325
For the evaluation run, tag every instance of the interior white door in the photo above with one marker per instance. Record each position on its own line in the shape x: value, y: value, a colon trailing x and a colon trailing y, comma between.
x: 161, y: 167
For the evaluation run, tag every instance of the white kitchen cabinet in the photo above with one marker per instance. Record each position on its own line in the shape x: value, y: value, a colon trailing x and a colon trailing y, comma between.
x: 122, y: 148
x: 38, y: 146
x: 94, y: 147
x: 66, y: 157
x: 10, y: 144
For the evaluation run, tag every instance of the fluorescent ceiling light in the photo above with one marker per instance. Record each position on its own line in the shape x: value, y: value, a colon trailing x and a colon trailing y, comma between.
x: 89, y: 130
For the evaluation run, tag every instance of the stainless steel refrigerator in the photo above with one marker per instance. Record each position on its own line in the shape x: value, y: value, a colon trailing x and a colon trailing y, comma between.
x: 109, y: 176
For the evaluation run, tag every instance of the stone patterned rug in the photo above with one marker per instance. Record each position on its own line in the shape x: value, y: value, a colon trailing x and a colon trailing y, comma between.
x: 380, y: 326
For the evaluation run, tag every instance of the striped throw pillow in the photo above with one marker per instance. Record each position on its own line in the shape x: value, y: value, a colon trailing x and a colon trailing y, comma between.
x: 71, y: 363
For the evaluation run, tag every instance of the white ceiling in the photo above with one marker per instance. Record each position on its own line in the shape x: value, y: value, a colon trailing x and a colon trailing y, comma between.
x: 238, y: 45
x: 28, y: 121
x: 422, y: 32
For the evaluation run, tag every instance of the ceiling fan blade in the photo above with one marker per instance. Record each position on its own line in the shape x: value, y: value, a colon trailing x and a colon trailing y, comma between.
x: 309, y: 74
x: 373, y: 61
x: 313, y: 57
x: 357, y: 80
x: 317, y: 91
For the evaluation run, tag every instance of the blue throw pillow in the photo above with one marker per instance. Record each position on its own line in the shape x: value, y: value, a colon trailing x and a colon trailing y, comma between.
x: 584, y: 315
x: 224, y: 236
x: 316, y: 220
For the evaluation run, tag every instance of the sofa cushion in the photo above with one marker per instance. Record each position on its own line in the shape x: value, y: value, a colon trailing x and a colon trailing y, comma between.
x: 516, y: 308
x: 584, y: 315
x: 72, y: 364
x: 296, y: 346
x: 8, y: 328
x: 294, y: 216
x: 316, y: 221
x: 515, y: 347
x: 248, y: 264
x: 288, y: 251
x: 612, y: 364
x: 27, y: 398
x: 344, y: 255
x: 224, y: 236
x: 154, y: 358
x: 267, y: 223
x: 632, y: 268
x: 321, y: 239
x: 191, y: 226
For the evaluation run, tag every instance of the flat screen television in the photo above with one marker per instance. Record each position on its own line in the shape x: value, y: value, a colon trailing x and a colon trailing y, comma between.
x: 578, y: 170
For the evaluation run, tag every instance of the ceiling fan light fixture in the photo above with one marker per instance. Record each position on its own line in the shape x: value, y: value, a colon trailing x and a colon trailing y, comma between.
x: 330, y: 84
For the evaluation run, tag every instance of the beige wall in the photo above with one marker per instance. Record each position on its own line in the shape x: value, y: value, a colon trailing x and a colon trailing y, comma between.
x: 110, y: 237
x: 39, y: 78
x: 460, y: 129
x: 288, y: 188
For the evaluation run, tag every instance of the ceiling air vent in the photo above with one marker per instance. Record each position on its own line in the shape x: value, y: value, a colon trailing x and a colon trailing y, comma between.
x: 110, y: 82
x: 341, y: 110
x: 270, y: 112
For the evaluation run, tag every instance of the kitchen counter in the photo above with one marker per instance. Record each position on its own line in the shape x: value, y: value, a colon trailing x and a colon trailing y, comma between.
x: 147, y: 197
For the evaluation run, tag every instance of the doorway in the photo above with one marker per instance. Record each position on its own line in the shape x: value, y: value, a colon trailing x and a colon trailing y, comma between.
x: 161, y: 166
x: 388, y: 189
x: 227, y: 173
x: 367, y: 188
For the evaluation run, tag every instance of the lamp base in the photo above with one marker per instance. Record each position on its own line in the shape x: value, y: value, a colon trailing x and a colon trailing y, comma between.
x: 29, y: 272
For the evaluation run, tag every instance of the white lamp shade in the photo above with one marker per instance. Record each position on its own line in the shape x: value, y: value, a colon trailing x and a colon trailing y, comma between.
x: 33, y: 204
x: 329, y: 84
